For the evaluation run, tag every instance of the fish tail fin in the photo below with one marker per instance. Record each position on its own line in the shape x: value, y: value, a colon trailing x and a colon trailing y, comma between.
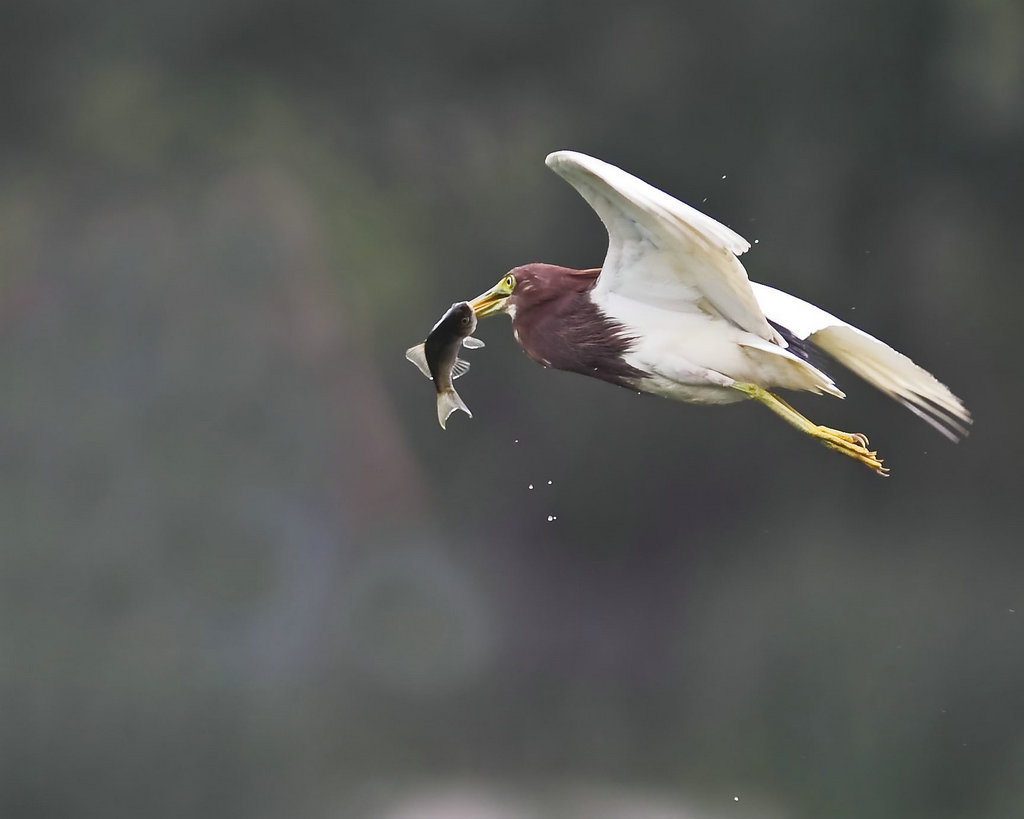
x: 447, y: 402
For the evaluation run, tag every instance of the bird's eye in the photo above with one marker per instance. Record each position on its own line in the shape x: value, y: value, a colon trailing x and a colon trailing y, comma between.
x: 509, y: 283
x: 465, y: 321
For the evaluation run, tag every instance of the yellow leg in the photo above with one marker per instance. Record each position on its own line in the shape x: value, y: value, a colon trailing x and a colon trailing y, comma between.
x: 853, y: 444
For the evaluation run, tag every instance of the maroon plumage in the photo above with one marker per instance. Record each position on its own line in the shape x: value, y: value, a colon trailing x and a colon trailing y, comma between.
x: 557, y: 324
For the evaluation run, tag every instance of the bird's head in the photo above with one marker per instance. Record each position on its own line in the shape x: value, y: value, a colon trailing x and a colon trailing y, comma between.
x: 497, y: 299
x: 532, y: 285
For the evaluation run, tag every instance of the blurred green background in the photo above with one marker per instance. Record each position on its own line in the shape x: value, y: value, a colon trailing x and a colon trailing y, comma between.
x: 244, y: 573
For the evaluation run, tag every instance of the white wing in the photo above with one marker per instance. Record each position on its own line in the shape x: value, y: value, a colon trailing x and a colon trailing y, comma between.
x: 873, y: 360
x: 660, y: 251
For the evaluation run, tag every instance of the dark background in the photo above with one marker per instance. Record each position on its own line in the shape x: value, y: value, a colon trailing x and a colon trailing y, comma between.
x: 244, y: 573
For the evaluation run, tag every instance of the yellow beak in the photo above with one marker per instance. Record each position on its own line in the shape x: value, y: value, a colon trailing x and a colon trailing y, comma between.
x: 493, y: 301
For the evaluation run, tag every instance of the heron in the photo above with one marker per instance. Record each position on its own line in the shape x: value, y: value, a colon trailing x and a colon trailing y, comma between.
x: 672, y: 312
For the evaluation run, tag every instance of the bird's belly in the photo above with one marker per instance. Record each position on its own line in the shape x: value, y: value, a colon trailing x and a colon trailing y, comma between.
x: 687, y: 356
x: 692, y: 393
x: 696, y: 355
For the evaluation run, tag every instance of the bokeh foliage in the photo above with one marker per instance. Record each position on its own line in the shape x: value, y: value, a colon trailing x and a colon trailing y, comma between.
x: 243, y: 571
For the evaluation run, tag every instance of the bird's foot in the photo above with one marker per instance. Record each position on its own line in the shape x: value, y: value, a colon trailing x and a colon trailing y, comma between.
x: 852, y: 444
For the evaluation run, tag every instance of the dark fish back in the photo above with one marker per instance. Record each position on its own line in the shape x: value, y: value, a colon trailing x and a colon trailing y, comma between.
x: 445, y: 339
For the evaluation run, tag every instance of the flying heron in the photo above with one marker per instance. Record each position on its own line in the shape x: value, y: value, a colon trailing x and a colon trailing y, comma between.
x: 672, y: 312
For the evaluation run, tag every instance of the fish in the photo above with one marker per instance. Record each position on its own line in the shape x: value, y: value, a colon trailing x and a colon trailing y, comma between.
x: 438, y: 356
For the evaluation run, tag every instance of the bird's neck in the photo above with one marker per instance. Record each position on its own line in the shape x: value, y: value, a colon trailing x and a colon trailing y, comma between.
x: 558, y: 325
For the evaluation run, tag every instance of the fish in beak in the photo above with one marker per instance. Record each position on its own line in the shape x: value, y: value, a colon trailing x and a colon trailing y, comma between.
x: 438, y: 357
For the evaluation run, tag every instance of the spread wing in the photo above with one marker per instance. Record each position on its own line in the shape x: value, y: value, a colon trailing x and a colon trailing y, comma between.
x: 873, y: 360
x: 662, y: 252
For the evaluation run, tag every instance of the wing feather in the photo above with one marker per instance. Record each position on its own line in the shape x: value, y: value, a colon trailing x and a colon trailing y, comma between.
x: 873, y: 360
x: 662, y: 252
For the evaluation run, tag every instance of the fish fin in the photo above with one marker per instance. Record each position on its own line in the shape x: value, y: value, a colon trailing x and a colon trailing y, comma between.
x: 460, y: 368
x: 418, y: 356
x: 447, y: 402
x: 471, y: 343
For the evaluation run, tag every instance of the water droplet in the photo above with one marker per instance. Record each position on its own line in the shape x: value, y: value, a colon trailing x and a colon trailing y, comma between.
x: 552, y: 517
x: 549, y: 483
x: 530, y: 486
x: 723, y: 176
